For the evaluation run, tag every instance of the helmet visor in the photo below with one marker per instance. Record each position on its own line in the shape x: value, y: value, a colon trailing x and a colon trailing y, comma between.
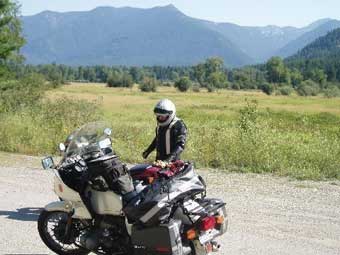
x: 162, y: 111
x: 162, y: 117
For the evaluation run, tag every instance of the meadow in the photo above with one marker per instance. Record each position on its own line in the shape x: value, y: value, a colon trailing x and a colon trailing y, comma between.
x: 229, y: 130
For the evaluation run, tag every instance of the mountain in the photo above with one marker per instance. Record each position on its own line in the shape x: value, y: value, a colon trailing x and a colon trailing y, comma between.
x: 124, y: 36
x: 326, y: 48
x: 260, y: 43
x: 319, y: 29
x: 156, y: 36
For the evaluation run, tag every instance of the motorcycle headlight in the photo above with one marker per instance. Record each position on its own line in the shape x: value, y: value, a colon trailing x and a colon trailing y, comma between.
x: 105, y: 143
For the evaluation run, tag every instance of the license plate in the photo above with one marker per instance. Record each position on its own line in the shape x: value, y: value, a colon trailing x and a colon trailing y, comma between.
x: 208, y: 236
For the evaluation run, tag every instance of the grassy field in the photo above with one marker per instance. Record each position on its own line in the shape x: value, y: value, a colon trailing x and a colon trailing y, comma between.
x: 233, y: 130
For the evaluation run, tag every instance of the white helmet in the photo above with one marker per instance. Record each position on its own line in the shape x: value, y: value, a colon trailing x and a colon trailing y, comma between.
x: 165, y: 110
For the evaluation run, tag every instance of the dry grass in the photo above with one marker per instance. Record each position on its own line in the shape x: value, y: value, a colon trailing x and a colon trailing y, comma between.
x: 294, y: 136
x: 116, y: 99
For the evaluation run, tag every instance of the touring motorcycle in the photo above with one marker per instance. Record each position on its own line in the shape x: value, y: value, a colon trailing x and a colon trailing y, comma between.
x: 167, y: 214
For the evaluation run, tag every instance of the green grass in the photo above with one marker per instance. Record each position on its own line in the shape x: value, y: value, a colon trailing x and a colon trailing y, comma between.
x: 287, y: 136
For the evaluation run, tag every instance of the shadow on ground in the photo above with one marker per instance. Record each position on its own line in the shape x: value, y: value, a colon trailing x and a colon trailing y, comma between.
x: 23, y: 214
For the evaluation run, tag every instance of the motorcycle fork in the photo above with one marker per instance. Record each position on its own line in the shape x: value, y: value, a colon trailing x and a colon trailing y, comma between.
x: 68, y: 225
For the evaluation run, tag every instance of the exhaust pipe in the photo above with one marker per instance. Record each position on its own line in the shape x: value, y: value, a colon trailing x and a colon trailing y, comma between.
x: 215, y: 246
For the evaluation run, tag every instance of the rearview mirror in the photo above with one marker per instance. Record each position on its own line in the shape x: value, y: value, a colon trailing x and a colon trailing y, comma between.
x: 108, y: 131
x: 62, y: 147
x: 47, y: 163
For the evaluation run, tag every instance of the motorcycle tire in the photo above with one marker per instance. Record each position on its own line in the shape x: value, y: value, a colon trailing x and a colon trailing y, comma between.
x: 52, y: 238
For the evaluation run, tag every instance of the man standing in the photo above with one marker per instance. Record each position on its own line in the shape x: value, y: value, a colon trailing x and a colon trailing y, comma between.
x: 171, y: 133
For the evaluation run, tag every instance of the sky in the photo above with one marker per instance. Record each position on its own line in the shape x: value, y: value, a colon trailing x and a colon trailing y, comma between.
x: 296, y: 13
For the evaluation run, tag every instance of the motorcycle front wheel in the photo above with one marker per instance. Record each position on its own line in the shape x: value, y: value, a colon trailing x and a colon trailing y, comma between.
x: 52, y: 228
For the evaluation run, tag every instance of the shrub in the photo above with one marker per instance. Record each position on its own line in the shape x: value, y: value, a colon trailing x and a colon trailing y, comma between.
x: 267, y: 88
x: 236, y: 86
x: 285, y: 90
x: 183, y: 84
x: 331, y: 91
x: 123, y: 80
x: 248, y: 117
x: 308, y: 88
x: 27, y: 91
x: 210, y: 88
x: 196, y: 88
x: 149, y: 84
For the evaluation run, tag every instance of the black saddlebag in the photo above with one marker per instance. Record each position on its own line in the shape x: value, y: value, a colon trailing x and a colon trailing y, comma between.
x: 114, y: 172
x: 163, y: 239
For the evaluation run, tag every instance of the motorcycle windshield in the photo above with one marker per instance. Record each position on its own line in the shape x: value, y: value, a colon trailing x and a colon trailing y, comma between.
x: 95, y: 133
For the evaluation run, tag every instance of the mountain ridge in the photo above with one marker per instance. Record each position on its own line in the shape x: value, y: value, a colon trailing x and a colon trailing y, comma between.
x: 160, y: 35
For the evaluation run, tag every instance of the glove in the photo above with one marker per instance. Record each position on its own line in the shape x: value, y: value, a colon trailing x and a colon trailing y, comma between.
x: 145, y: 154
x: 161, y: 164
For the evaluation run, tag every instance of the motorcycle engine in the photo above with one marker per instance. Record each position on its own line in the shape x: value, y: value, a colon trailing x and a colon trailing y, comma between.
x: 106, y: 236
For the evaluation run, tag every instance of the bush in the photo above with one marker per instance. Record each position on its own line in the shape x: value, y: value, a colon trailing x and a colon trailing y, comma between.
x: 286, y: 90
x: 27, y: 91
x: 236, y: 86
x: 183, y: 84
x: 149, y: 84
x: 267, y: 88
x: 196, y: 88
x: 331, y: 91
x: 210, y: 88
x: 308, y: 88
x: 117, y: 80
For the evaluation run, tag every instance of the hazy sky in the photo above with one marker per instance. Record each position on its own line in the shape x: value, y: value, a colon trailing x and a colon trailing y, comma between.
x: 243, y: 12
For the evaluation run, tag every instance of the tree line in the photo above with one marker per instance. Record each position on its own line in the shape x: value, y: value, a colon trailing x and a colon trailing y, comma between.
x: 306, y: 77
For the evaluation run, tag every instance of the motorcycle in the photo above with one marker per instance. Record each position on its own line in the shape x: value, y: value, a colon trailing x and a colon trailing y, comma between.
x: 168, y: 215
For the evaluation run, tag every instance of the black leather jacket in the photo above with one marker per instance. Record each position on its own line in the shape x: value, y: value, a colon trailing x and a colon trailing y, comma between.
x: 169, y: 141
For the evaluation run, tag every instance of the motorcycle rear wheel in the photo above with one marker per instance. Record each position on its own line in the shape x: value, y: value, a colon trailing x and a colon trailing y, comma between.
x: 51, y: 227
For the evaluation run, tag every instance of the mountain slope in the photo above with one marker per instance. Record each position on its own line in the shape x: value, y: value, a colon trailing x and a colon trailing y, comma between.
x: 124, y: 36
x: 260, y: 43
x: 318, y: 31
x: 324, y: 48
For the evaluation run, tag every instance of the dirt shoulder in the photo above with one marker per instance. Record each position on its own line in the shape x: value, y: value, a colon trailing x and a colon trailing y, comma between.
x: 267, y: 215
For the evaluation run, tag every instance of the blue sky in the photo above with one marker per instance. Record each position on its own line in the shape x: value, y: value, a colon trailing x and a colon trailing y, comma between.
x: 243, y: 12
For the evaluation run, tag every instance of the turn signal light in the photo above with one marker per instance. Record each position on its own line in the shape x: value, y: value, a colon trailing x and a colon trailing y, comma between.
x: 208, y: 223
x: 191, y: 234
x: 150, y: 180
x: 219, y: 219
x: 60, y: 187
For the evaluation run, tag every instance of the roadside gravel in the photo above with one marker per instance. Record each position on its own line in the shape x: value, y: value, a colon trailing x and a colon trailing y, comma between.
x: 267, y: 215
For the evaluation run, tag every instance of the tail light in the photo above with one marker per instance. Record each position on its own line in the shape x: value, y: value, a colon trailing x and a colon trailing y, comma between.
x: 162, y: 249
x: 191, y: 234
x: 208, y: 223
x: 219, y: 219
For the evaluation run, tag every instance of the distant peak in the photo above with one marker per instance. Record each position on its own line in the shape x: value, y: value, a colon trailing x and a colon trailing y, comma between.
x: 319, y: 22
x: 47, y: 12
x: 169, y: 7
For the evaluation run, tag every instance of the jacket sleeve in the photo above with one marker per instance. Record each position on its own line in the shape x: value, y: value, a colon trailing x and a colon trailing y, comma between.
x: 152, y: 146
x: 180, y: 140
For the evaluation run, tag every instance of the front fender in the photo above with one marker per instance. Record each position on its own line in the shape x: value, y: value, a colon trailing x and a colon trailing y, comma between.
x: 80, y: 211
x: 63, y: 206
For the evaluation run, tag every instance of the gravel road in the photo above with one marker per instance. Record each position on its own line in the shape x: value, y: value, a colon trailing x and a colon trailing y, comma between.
x: 267, y: 215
